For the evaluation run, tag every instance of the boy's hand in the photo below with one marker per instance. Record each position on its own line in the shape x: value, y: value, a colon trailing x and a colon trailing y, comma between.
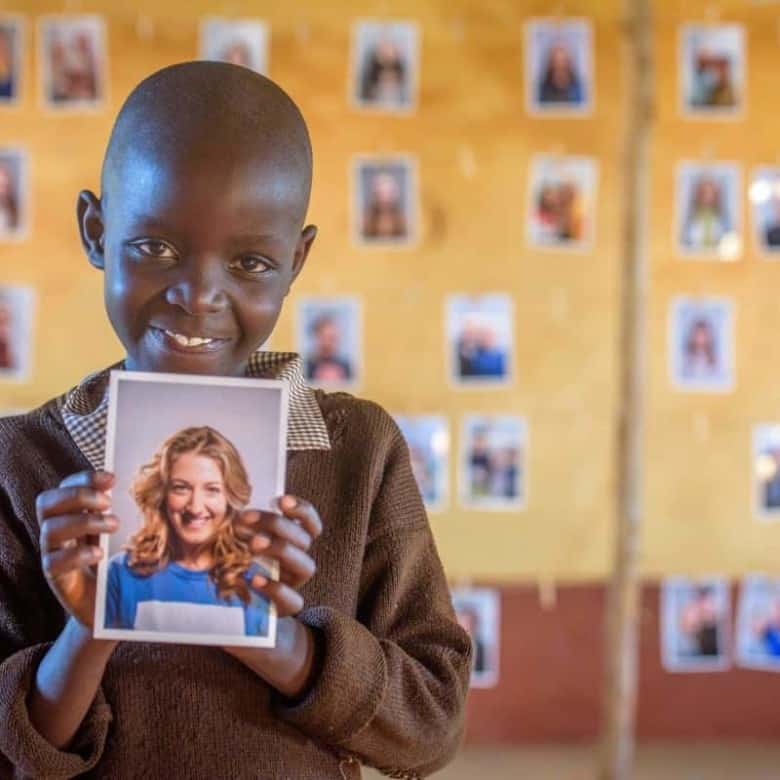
x: 285, y: 538
x: 70, y: 518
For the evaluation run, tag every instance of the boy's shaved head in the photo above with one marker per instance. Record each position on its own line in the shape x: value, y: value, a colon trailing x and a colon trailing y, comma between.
x: 205, y: 109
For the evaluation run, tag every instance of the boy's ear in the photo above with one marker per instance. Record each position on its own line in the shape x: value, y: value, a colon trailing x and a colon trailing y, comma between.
x: 305, y: 240
x: 91, y: 227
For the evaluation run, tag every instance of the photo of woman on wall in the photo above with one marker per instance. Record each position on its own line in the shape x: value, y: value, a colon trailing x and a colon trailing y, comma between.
x: 189, y: 567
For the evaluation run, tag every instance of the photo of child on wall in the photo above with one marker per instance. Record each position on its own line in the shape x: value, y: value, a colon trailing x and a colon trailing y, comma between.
x: 238, y: 41
x: 479, y: 612
x: 428, y: 439
x: 11, y: 57
x: 758, y: 623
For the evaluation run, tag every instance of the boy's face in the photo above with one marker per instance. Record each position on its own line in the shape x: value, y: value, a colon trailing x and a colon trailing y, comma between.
x: 199, y: 253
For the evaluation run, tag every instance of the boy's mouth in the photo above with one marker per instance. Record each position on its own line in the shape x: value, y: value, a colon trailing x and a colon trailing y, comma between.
x: 183, y: 343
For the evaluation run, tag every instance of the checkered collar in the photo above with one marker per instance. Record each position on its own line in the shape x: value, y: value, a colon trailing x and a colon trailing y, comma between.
x: 84, y: 409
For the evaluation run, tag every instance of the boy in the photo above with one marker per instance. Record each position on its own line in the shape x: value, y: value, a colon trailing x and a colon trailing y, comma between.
x: 199, y: 232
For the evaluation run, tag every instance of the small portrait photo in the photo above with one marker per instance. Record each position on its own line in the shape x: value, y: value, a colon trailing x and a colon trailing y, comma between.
x: 695, y: 624
x: 237, y: 41
x: 329, y: 339
x: 765, y: 471
x: 701, y: 344
x: 196, y: 459
x: 493, y: 462
x: 428, y: 439
x: 14, y: 176
x: 479, y: 336
x: 712, y: 70
x: 764, y: 197
x: 11, y: 42
x: 73, y: 62
x: 758, y: 623
x: 709, y: 210
x: 559, y: 67
x: 561, y: 203
x: 384, y: 202
x: 478, y: 611
x: 17, y: 313
x: 385, y: 63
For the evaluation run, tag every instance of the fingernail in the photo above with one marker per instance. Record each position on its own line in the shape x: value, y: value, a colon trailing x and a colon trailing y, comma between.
x: 289, y: 502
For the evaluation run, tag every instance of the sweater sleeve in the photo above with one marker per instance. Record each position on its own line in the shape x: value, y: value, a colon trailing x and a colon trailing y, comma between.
x: 403, y: 665
x: 30, y: 620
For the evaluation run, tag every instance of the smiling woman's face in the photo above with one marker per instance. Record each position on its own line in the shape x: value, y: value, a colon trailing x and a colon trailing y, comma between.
x: 195, y: 500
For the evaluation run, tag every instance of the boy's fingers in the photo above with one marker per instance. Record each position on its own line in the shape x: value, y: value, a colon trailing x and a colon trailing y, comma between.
x: 64, y: 528
x: 70, y: 500
x: 302, y: 511
x: 288, y: 602
x: 296, y: 567
x: 99, y: 480
x: 272, y: 525
x: 60, y: 562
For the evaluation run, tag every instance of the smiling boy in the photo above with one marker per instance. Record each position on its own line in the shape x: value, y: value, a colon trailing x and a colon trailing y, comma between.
x: 199, y: 230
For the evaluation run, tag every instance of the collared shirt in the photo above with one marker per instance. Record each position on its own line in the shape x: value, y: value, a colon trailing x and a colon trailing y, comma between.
x: 84, y: 409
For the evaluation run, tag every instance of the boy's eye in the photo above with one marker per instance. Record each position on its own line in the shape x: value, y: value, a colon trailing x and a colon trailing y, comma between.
x: 155, y: 248
x: 251, y: 264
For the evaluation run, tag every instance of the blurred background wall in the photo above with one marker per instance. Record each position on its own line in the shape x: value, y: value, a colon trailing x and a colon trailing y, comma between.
x: 473, y: 142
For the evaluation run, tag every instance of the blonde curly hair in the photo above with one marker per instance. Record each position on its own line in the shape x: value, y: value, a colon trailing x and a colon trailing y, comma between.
x: 150, y: 549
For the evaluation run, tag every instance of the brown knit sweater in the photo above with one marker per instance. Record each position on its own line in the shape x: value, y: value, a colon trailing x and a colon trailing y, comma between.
x: 394, y: 669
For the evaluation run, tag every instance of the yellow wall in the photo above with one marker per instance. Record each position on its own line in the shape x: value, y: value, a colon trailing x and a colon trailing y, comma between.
x: 472, y: 240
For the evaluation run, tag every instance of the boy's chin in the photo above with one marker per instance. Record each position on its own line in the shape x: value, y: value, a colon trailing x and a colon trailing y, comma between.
x: 157, y: 356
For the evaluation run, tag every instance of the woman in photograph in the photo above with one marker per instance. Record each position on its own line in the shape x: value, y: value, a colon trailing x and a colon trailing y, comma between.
x: 700, y: 360
x: 9, y: 201
x: 7, y: 69
x: 560, y: 83
x: 384, y: 215
x: 707, y: 221
x: 189, y: 567
x: 384, y: 75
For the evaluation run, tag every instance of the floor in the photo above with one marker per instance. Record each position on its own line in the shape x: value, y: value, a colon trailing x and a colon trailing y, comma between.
x: 655, y: 761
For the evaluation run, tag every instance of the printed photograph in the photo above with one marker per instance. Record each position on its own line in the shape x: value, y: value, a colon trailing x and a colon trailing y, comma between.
x: 385, y: 63
x: 328, y: 338
x: 180, y: 568
x: 562, y: 197
x: 493, y: 471
x: 764, y: 197
x: 428, y: 438
x: 701, y: 344
x: 73, y: 64
x: 695, y: 624
x: 237, y: 41
x: 765, y: 471
x: 709, y: 211
x: 17, y: 313
x: 758, y: 623
x: 479, y: 338
x: 478, y: 611
x: 384, y: 204
x: 11, y: 42
x: 14, y: 175
x: 559, y: 66
x: 712, y: 70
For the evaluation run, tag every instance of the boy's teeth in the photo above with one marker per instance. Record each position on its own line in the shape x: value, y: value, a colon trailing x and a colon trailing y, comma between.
x: 195, y: 341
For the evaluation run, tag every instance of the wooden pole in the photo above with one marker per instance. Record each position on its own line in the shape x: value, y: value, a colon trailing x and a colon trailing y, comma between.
x: 622, y: 624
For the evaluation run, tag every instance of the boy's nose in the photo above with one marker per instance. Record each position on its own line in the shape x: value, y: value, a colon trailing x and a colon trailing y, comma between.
x: 198, y: 292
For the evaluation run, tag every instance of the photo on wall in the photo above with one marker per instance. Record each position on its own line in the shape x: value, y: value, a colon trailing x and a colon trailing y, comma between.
x: 701, y: 344
x: 478, y: 611
x: 17, y: 315
x: 14, y: 193
x: 709, y: 210
x: 712, y: 70
x: 695, y: 624
x: 191, y: 481
x: 765, y: 471
x: 237, y: 41
x: 479, y: 339
x: 764, y: 199
x: 559, y: 67
x: 561, y: 202
x: 384, y: 201
x: 428, y: 439
x: 329, y: 339
x: 73, y: 62
x: 493, y: 473
x: 11, y: 58
x: 384, y: 65
x: 758, y: 623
